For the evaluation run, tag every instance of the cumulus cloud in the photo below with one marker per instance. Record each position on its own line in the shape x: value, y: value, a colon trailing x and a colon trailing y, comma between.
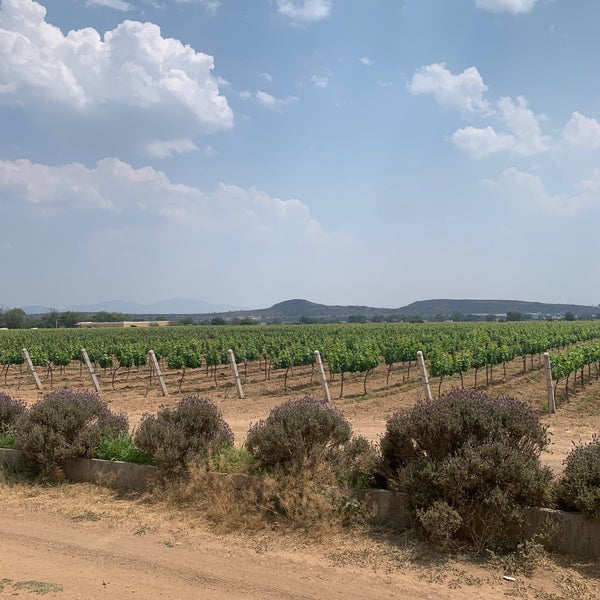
x: 526, y: 188
x: 582, y: 132
x: 523, y: 136
x: 480, y: 142
x: 365, y: 60
x: 304, y: 10
x: 159, y: 87
x: 512, y: 6
x: 463, y: 91
x: 130, y: 194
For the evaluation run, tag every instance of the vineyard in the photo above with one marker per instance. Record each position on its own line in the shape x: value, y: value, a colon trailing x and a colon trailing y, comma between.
x: 280, y: 359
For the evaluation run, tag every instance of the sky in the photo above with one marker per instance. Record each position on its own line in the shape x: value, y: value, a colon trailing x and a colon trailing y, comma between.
x: 245, y: 152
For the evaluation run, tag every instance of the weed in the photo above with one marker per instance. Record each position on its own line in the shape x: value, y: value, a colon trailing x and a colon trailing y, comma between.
x: 121, y: 447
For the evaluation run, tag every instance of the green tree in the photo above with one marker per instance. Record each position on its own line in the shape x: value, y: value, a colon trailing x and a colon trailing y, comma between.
x: 515, y: 315
x: 15, y: 318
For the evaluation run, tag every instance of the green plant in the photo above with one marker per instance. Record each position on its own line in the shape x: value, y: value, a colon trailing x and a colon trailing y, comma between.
x: 578, y: 488
x: 294, y: 430
x: 8, y: 439
x: 231, y: 460
x: 188, y: 432
x: 64, y: 424
x: 121, y: 447
x: 471, y: 455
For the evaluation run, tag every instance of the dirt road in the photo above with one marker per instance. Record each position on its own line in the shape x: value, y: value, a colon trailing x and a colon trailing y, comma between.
x: 82, y: 542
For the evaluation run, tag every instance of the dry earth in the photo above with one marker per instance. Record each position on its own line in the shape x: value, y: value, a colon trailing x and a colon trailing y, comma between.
x: 79, y: 541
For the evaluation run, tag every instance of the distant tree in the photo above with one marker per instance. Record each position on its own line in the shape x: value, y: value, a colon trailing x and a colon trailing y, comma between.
x: 515, y: 315
x: 50, y: 319
x: 69, y: 318
x: 185, y: 320
x: 570, y: 316
x: 15, y: 318
x: 109, y: 317
x: 218, y: 321
x: 243, y: 321
x: 439, y: 318
x: 457, y: 316
x: 377, y: 318
x: 357, y: 319
x: 415, y: 319
x: 490, y: 318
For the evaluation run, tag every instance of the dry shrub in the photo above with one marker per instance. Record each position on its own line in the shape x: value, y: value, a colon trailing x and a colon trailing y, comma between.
x: 305, y: 497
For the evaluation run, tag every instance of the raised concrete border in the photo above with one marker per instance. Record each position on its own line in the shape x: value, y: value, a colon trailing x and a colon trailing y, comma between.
x: 569, y: 533
x: 119, y: 475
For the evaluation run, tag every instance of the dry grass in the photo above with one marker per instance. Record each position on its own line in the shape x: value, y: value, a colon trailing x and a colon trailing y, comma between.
x: 238, y: 513
x: 305, y: 498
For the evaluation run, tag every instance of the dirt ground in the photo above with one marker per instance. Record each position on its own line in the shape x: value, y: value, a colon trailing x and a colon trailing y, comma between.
x: 80, y: 541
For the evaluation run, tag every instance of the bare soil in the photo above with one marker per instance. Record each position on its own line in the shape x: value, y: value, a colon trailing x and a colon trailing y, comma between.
x: 80, y: 541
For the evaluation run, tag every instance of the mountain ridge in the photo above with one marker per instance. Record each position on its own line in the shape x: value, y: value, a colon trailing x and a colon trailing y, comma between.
x: 295, y: 309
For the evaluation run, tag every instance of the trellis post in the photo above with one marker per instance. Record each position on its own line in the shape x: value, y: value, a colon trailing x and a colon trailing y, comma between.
x: 90, y: 369
x: 154, y: 364
x: 31, y: 366
x: 549, y: 384
x: 323, y: 377
x: 236, y: 374
x: 424, y: 376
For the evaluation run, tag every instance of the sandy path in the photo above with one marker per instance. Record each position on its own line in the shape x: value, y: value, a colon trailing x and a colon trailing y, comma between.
x: 70, y: 559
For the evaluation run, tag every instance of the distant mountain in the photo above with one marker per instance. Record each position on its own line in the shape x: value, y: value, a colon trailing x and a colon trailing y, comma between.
x: 172, y: 306
x: 35, y: 309
x: 430, y: 308
x: 291, y: 311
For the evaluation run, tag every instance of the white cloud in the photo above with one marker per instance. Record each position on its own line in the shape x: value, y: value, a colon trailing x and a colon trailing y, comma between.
x: 525, y: 188
x: 365, y: 60
x: 582, y: 132
x: 166, y: 148
x: 523, y: 136
x: 115, y: 187
x: 116, y: 4
x: 211, y: 6
x: 463, y: 91
x: 267, y: 77
x: 480, y: 142
x: 304, y: 10
x: 272, y: 102
x: 319, y: 81
x: 513, y: 6
x: 161, y: 88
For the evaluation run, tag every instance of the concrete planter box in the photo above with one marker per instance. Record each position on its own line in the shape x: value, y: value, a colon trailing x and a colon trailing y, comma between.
x: 572, y: 533
x: 120, y: 475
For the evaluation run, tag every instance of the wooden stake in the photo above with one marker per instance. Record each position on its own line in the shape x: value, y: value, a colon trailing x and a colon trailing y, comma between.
x: 424, y: 376
x: 154, y: 363
x: 238, y: 383
x: 90, y: 369
x: 549, y: 384
x: 38, y: 383
x: 323, y: 377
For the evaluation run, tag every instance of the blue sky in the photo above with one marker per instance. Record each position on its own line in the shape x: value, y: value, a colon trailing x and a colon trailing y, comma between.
x: 245, y: 152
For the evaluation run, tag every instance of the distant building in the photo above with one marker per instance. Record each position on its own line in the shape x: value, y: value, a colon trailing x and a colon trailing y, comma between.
x: 92, y: 324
